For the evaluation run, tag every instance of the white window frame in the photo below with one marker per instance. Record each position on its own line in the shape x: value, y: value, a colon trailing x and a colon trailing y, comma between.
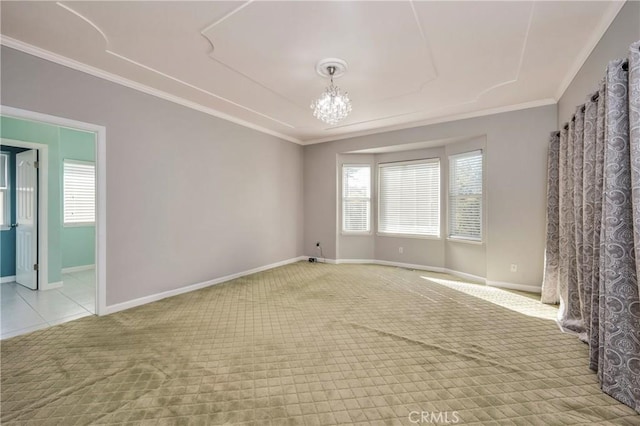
x: 435, y: 236
x: 345, y: 198
x: 6, y: 190
x: 67, y: 223
x: 451, y: 197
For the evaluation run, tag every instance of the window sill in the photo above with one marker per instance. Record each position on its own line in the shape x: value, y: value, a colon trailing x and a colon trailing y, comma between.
x: 414, y: 236
x: 79, y: 225
x: 355, y: 234
x: 465, y: 241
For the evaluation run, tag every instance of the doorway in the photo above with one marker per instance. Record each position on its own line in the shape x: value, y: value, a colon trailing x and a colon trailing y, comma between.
x: 23, y: 202
x: 69, y: 277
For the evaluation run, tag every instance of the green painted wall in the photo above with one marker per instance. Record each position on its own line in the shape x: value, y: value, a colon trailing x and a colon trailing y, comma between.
x: 77, y: 242
x: 29, y: 131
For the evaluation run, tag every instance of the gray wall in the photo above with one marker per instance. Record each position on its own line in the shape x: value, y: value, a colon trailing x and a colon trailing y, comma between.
x: 515, y: 186
x: 624, y: 30
x: 189, y: 197
x: 355, y: 246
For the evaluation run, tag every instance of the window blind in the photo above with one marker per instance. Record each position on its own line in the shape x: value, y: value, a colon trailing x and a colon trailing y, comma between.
x: 79, y: 183
x: 409, y: 198
x: 356, y: 198
x: 465, y: 196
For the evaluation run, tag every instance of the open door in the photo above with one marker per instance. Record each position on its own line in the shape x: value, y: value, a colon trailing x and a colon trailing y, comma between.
x: 27, y: 219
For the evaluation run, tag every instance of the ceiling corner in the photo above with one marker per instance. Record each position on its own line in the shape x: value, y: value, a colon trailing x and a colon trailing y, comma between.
x: 598, y: 33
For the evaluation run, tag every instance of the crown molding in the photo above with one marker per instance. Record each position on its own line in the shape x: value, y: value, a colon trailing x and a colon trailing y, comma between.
x: 438, y: 120
x: 596, y: 36
x: 96, y: 72
x: 105, y: 75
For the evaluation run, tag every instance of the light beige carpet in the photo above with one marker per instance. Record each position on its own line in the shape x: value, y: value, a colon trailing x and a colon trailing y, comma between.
x: 311, y: 344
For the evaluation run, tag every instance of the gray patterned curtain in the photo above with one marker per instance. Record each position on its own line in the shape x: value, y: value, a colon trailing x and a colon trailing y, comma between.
x: 552, y: 254
x: 593, y: 228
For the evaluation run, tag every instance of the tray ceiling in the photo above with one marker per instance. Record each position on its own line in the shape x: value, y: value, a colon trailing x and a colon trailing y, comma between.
x: 254, y: 62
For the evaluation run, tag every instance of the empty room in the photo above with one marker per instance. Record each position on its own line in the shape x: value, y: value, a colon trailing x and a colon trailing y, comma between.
x: 320, y: 212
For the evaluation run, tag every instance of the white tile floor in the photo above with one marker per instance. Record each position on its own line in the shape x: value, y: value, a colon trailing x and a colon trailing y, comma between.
x: 23, y: 310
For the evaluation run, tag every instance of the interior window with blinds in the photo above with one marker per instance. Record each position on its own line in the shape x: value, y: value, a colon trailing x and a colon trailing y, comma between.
x: 79, y: 188
x: 465, y: 196
x: 356, y: 198
x: 409, y: 198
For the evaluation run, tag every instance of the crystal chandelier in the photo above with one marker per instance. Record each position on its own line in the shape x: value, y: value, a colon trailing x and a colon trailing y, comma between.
x: 333, y: 105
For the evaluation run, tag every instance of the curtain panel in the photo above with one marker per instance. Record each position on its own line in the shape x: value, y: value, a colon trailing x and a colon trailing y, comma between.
x: 592, y: 255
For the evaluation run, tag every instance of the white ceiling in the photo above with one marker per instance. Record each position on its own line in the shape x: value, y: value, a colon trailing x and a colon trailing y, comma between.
x: 254, y: 62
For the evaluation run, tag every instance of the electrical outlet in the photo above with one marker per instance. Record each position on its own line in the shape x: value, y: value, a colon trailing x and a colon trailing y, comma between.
x: 514, y: 267
x: 401, y: 250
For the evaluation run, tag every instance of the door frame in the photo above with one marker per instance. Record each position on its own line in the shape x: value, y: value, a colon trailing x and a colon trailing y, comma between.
x: 42, y: 219
x: 101, y: 190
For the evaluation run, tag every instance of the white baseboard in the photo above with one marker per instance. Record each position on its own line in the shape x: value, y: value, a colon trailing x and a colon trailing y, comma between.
x: 322, y: 259
x: 355, y: 261
x: 470, y: 277
x: 466, y: 276
x: 409, y: 266
x: 514, y: 286
x: 159, y: 296
x: 77, y: 268
x: 51, y: 286
x: 45, y: 286
x: 385, y: 263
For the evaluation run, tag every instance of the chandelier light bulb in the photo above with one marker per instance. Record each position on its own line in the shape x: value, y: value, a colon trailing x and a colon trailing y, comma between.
x: 333, y: 105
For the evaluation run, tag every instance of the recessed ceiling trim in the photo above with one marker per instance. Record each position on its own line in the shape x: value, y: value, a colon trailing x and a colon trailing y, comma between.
x: 87, y: 69
x: 445, y: 119
x: 96, y: 72
x: 225, y: 17
x: 211, y: 56
x: 525, y: 42
x: 471, y: 101
x: 427, y: 45
x: 523, y: 50
x: 206, y: 92
x: 177, y: 80
x: 232, y: 69
x: 87, y: 20
x: 509, y: 47
x: 213, y: 24
x: 596, y: 36
x: 521, y: 60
